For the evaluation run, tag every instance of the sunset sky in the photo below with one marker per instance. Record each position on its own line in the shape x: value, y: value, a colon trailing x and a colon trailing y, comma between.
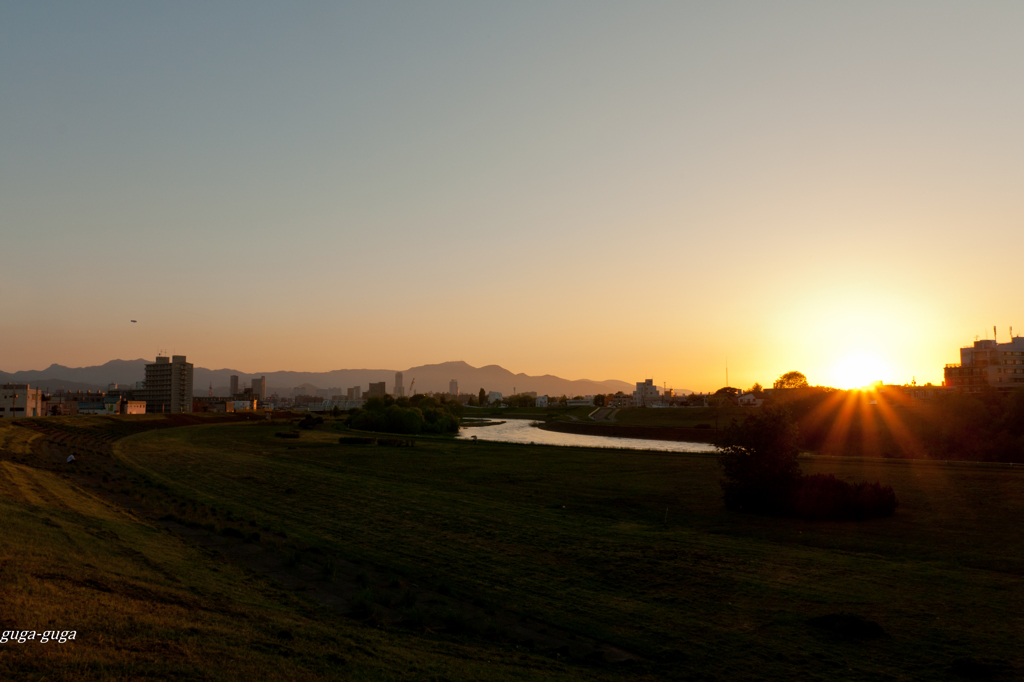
x: 594, y: 190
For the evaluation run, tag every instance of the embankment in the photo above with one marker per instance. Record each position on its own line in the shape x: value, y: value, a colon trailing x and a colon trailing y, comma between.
x: 677, y: 433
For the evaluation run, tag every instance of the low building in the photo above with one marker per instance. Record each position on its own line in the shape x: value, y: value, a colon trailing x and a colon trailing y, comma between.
x: 494, y: 396
x: 926, y: 392
x: 542, y: 400
x: 750, y: 400
x: 213, y: 404
x: 118, y: 404
x: 335, y: 402
x: 618, y: 400
x: 376, y: 390
x: 20, y: 400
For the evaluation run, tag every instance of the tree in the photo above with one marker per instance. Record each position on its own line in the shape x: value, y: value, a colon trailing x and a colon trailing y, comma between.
x: 599, y: 400
x: 756, y: 389
x: 483, y: 397
x: 759, y: 460
x: 791, y: 380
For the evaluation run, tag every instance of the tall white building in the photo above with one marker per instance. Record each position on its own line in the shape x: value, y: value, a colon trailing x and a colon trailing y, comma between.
x: 646, y: 393
x: 168, y: 385
x: 259, y: 388
x: 453, y: 387
x: 399, y: 389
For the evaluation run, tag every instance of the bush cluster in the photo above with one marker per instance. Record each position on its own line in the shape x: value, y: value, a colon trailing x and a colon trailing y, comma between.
x: 419, y: 414
x: 762, y: 475
x: 825, y: 497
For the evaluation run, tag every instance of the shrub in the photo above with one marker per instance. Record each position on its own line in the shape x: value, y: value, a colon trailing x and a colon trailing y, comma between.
x: 758, y: 457
x: 357, y: 440
x: 396, y: 442
x: 309, y: 421
x: 762, y: 476
x: 823, y: 496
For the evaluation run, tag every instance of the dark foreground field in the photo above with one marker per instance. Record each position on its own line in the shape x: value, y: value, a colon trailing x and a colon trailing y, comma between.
x: 456, y: 560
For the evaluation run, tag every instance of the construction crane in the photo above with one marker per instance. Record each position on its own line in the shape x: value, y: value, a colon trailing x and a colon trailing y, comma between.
x: 411, y: 387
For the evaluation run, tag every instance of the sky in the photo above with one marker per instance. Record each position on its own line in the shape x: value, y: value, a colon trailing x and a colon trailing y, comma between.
x: 589, y: 189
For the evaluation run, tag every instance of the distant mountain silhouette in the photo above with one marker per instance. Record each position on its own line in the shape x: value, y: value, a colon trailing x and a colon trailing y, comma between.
x: 93, y: 378
x: 428, y: 378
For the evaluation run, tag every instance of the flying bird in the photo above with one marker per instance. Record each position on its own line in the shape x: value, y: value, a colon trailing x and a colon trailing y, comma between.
x: 133, y: 321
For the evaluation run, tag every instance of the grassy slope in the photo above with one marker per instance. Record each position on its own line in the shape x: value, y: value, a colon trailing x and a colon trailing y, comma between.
x: 680, y: 416
x: 146, y: 604
x: 577, y: 538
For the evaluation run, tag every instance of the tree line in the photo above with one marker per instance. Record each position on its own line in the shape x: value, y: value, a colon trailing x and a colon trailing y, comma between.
x: 413, y: 415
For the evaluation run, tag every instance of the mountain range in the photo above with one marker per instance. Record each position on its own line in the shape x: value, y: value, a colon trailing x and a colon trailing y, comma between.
x: 428, y: 378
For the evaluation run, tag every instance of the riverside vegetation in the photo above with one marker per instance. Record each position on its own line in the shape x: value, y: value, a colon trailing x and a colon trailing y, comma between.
x: 218, y: 551
x: 762, y: 475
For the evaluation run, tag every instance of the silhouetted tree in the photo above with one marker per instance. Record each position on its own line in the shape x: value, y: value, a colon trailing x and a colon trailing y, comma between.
x: 759, y: 460
x: 791, y: 380
x: 483, y: 397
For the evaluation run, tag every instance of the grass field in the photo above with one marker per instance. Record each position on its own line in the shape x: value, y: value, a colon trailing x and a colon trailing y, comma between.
x: 146, y: 603
x: 635, y: 550
x: 461, y: 560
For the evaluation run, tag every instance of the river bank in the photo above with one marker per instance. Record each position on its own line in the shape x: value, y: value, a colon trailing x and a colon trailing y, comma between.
x: 673, y: 433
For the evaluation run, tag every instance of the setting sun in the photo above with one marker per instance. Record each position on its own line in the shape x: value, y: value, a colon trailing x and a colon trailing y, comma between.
x: 860, y: 370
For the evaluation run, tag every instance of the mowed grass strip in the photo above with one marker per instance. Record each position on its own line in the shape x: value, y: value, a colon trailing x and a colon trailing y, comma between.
x: 146, y: 605
x: 636, y: 550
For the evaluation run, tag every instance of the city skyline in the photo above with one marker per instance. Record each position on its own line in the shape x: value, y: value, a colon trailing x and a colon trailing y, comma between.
x: 590, y: 190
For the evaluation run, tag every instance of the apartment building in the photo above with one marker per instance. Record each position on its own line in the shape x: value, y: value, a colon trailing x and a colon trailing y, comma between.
x: 168, y: 385
x: 988, y: 363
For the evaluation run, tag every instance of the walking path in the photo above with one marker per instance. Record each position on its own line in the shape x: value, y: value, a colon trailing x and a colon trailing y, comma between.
x: 604, y: 414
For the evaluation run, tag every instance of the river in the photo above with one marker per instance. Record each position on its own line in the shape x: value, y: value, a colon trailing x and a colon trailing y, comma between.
x: 520, y: 431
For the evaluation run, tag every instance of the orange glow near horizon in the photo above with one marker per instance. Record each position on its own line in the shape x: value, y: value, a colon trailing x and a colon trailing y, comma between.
x: 859, y: 370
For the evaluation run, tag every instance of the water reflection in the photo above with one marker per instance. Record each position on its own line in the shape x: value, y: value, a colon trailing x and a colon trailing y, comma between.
x: 520, y: 431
